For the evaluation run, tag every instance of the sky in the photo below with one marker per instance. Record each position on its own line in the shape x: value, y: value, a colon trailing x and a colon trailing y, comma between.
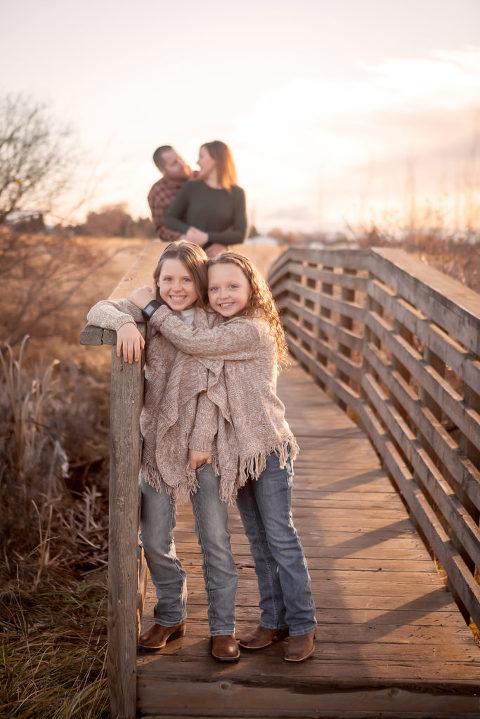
x: 345, y: 112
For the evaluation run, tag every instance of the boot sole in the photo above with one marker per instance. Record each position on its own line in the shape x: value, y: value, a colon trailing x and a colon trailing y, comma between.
x: 300, y: 659
x: 225, y: 659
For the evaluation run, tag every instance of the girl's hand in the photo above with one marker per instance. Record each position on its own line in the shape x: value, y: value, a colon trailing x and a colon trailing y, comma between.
x: 129, y: 342
x: 142, y: 296
x: 198, y: 459
x: 196, y: 236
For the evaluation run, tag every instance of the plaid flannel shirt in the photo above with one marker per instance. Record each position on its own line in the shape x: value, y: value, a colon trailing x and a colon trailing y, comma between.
x: 160, y: 198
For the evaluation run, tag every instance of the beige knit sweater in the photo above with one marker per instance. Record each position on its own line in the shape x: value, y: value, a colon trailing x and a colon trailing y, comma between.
x: 244, y: 389
x: 177, y: 415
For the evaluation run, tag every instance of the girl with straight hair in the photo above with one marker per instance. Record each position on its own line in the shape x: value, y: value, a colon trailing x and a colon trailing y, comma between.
x: 178, y: 424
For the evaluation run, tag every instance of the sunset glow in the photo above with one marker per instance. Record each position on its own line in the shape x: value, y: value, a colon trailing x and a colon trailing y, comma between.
x: 332, y: 115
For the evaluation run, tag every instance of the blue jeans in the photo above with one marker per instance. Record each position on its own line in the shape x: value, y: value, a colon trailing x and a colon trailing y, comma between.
x: 265, y: 506
x: 157, y: 523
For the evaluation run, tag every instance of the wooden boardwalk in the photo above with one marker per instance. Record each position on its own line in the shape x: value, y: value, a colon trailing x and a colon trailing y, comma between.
x: 390, y: 642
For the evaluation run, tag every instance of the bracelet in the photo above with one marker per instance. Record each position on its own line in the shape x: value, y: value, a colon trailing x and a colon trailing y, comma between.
x: 152, y: 307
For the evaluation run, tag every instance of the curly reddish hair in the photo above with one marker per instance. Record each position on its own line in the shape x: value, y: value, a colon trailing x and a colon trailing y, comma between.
x: 260, y: 299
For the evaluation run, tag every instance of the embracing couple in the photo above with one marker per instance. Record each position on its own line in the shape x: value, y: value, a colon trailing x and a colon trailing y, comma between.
x: 205, y: 207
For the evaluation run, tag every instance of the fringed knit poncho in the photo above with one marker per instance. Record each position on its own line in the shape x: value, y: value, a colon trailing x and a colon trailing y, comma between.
x: 209, y: 389
x: 246, y: 350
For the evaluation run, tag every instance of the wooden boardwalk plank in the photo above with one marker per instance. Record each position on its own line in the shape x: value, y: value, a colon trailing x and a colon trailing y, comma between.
x: 391, y: 641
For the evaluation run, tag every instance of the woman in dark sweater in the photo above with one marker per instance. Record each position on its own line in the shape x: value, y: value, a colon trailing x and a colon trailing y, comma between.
x: 210, y: 210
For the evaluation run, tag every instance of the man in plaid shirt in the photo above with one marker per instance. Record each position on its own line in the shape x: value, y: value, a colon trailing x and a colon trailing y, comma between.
x: 175, y: 172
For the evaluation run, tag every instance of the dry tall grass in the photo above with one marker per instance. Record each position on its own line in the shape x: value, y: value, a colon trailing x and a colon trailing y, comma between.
x: 52, y: 616
x: 54, y: 481
x: 455, y: 256
x: 53, y: 651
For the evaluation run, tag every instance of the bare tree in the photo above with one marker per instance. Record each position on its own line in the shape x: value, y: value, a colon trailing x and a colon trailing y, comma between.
x: 37, y: 156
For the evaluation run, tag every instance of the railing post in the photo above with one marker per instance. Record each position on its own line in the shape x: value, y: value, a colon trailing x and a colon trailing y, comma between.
x: 327, y: 289
x: 125, y: 446
x: 347, y: 323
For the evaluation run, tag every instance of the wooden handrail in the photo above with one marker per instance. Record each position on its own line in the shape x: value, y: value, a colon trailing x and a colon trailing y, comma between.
x: 397, y: 344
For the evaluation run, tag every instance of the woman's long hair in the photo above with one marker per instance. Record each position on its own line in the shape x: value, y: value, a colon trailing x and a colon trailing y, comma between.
x: 226, y: 172
x: 194, y: 259
x: 260, y: 299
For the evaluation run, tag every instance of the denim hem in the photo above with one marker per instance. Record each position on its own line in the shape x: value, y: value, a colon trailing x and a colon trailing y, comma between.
x: 167, y: 624
x: 299, y: 632
x: 222, y: 632
x: 274, y: 629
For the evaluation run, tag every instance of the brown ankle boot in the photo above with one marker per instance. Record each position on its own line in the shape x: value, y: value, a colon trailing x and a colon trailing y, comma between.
x: 262, y: 637
x: 225, y: 648
x: 300, y: 648
x: 157, y: 636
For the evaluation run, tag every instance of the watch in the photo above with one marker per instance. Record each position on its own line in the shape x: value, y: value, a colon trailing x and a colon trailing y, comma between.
x: 152, y: 307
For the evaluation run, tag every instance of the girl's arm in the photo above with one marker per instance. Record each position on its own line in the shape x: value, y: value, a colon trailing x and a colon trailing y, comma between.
x: 112, y: 314
x: 203, y: 432
x: 238, y: 339
x: 205, y: 426
x: 121, y: 316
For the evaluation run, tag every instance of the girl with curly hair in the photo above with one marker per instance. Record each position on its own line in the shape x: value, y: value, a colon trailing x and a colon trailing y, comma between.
x: 250, y: 341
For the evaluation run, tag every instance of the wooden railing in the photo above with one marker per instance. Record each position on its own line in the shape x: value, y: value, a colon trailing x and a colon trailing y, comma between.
x: 397, y: 345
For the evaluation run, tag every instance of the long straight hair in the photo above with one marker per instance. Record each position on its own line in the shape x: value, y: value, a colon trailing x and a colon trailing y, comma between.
x: 220, y: 152
x: 195, y: 261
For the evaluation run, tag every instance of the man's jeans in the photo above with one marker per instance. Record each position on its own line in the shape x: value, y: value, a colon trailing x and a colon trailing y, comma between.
x: 211, y: 525
x: 265, y: 507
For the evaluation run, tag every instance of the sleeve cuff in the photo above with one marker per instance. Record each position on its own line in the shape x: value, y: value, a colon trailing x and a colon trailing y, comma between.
x: 123, y: 320
x: 201, y: 441
x: 160, y: 315
x: 199, y: 444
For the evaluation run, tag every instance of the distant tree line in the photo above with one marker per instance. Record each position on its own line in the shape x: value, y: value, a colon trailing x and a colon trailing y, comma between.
x: 114, y: 221
x: 283, y: 237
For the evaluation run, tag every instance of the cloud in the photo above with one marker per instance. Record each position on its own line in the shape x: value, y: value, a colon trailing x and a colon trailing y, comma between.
x: 315, y: 136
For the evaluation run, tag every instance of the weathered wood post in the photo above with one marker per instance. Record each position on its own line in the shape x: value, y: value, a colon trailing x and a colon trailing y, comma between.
x: 126, y: 399
x: 126, y: 580
x: 125, y: 447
